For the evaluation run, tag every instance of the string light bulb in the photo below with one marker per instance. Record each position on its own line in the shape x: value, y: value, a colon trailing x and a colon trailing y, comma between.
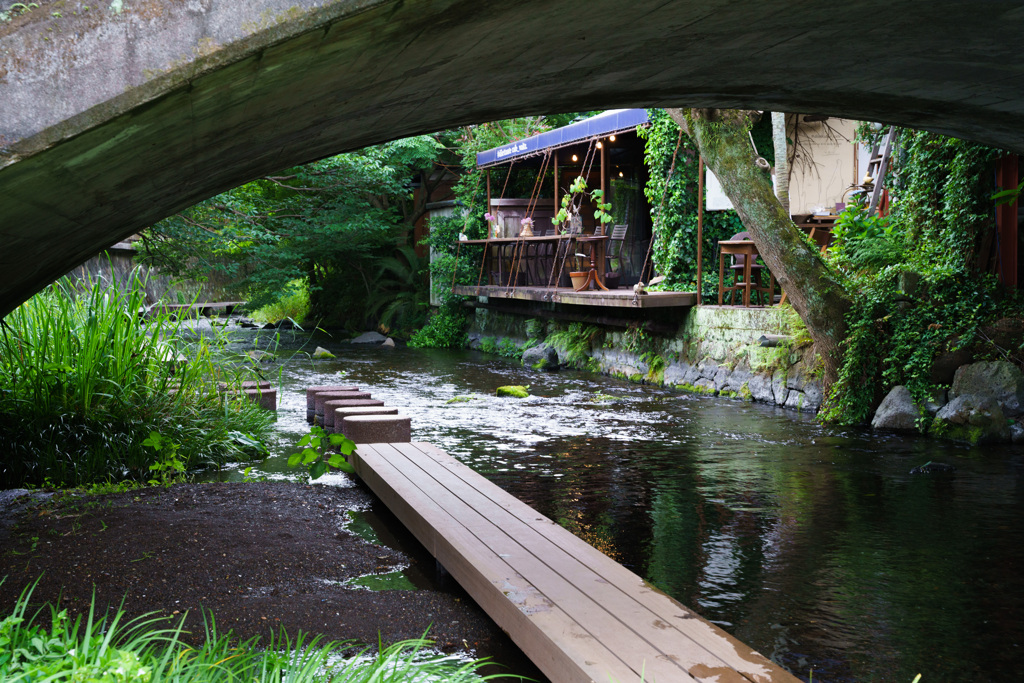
x: 611, y: 138
x: 600, y: 145
x: 620, y: 174
x: 575, y: 158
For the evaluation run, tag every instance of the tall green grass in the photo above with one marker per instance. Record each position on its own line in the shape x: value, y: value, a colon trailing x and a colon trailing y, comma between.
x: 85, y: 376
x: 293, y: 305
x: 46, y: 645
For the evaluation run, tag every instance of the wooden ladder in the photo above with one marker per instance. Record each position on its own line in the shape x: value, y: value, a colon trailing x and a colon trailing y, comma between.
x: 877, y: 166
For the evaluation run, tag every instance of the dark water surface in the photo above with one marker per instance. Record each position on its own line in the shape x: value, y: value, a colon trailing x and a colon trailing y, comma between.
x: 813, y: 545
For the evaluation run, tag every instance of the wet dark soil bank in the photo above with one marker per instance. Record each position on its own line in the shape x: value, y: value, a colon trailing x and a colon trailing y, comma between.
x: 259, y: 555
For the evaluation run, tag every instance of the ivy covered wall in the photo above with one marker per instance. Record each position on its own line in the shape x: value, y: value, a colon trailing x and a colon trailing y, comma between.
x: 925, y: 292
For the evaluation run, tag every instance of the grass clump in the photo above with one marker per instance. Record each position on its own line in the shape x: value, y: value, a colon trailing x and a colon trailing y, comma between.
x: 294, y: 305
x: 574, y: 344
x: 48, y: 645
x: 86, y: 379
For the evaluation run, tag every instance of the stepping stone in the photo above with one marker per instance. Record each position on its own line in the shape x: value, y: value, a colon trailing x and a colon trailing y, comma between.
x: 311, y: 393
x: 328, y: 418
x: 377, y: 428
x: 324, y: 396
x: 265, y: 398
x: 344, y: 411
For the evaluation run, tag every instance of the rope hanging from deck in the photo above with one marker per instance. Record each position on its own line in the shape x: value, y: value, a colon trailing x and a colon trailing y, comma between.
x: 520, y: 247
x: 483, y: 257
x: 661, y: 213
x: 588, y: 163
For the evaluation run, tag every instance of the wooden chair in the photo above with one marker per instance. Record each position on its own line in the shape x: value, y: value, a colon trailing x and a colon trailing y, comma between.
x: 617, y: 238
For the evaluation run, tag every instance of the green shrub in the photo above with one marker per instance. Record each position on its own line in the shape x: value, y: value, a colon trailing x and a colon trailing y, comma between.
x: 293, y: 305
x: 920, y: 285
x: 446, y: 329
x: 87, y: 377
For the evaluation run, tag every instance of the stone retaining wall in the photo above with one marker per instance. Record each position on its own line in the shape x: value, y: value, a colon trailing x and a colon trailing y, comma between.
x: 715, y: 351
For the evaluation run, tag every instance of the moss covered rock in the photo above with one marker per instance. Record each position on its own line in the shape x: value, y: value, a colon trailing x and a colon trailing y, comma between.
x: 513, y: 390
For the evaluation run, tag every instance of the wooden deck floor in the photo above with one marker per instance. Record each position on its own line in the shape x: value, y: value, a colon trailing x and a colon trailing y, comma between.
x: 579, y: 615
x: 620, y: 298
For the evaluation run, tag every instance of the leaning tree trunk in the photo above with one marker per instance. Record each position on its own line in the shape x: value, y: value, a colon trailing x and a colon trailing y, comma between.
x: 723, y: 139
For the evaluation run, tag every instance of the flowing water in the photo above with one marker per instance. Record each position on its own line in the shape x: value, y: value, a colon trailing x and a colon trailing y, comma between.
x: 814, y: 545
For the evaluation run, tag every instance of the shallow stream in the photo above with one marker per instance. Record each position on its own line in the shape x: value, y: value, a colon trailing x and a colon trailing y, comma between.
x: 814, y: 545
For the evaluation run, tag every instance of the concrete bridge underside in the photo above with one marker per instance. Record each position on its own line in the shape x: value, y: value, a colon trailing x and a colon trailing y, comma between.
x: 113, y: 116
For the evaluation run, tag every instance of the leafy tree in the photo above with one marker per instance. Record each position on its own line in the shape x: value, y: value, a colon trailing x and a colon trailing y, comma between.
x: 332, y: 223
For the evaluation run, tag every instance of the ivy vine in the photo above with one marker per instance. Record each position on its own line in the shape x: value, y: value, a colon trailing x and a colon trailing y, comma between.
x: 931, y: 290
x: 675, y: 235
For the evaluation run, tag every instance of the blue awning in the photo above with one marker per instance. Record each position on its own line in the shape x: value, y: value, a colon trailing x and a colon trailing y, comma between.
x: 613, y: 121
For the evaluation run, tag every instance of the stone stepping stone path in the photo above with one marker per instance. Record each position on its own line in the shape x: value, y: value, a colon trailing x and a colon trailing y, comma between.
x: 350, y: 411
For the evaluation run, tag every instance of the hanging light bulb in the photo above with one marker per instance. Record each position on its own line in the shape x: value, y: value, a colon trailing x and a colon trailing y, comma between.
x: 599, y: 145
x: 575, y: 158
x: 620, y: 174
x: 611, y: 138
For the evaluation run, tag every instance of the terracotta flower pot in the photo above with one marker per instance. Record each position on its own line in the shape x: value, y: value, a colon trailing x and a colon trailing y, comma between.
x: 578, y: 278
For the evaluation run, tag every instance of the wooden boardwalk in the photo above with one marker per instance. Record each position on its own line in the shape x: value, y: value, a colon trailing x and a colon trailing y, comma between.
x: 578, y: 614
x: 615, y: 298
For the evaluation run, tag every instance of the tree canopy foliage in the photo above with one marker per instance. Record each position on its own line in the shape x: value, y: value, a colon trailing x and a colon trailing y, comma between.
x: 338, y: 224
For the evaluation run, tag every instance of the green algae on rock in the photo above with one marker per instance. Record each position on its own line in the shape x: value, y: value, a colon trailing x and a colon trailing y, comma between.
x: 514, y: 390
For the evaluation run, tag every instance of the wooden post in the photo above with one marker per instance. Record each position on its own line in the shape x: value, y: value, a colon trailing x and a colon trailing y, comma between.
x: 555, y: 154
x: 488, y: 209
x: 700, y: 226
x: 1007, y: 177
x: 604, y: 174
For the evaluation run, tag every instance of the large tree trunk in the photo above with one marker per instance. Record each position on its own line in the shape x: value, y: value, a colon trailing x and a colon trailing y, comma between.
x: 722, y: 137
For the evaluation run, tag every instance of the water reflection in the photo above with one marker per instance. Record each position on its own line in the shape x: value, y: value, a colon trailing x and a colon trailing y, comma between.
x: 815, y: 546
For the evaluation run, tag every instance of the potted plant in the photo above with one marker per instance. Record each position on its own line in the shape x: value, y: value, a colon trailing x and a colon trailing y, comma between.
x: 582, y: 272
x: 571, y: 201
x: 570, y: 222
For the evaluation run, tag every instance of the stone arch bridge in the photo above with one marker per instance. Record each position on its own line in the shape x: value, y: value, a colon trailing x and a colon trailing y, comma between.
x: 117, y: 114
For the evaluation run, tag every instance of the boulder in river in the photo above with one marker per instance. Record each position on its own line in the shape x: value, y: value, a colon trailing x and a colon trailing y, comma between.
x: 971, y: 418
x: 898, y: 410
x: 369, y: 338
x: 997, y: 379
x: 513, y: 390
x: 541, y: 357
x: 321, y: 352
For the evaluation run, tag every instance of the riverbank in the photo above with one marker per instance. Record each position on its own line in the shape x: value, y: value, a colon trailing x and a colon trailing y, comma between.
x: 261, y: 556
x: 756, y: 354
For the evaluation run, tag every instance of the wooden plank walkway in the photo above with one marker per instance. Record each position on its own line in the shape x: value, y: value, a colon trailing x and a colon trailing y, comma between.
x: 578, y: 614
